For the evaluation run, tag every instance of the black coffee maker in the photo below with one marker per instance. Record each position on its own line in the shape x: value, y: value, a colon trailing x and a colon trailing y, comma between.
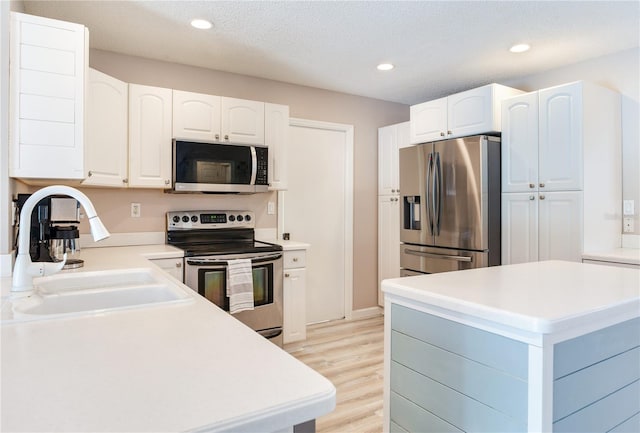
x: 54, y: 230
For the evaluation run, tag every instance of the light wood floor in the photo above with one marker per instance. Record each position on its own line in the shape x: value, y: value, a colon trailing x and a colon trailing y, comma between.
x: 350, y: 355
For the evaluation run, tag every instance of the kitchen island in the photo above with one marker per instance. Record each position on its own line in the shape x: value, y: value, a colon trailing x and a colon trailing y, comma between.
x: 538, y: 347
x: 184, y: 366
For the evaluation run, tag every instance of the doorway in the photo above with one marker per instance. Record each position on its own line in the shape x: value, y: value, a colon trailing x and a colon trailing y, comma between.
x: 317, y: 208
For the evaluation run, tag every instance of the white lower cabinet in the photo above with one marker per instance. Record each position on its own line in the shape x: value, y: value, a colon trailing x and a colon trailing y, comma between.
x: 388, y: 240
x: 294, y: 296
x: 173, y: 267
x: 542, y: 226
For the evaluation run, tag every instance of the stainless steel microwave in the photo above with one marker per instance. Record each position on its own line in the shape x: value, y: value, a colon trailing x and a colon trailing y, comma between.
x: 217, y: 167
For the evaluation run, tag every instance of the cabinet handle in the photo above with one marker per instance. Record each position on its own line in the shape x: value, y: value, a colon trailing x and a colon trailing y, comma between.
x: 89, y: 174
x: 442, y: 134
x: 217, y: 136
x: 287, y: 275
x: 542, y: 185
x: 125, y: 180
x: 532, y: 197
x: 449, y: 132
x: 532, y: 185
x: 295, y: 259
x: 541, y: 196
x: 226, y: 137
x: 167, y: 181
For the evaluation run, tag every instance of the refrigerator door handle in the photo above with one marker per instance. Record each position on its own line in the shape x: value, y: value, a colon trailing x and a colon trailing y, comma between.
x: 437, y: 188
x: 438, y: 256
x: 429, y: 192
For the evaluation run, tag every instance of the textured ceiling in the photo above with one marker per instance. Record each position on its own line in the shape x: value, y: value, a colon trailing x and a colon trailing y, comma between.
x: 438, y: 47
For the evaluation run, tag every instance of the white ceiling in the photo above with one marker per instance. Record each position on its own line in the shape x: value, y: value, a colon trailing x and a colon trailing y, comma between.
x: 438, y: 47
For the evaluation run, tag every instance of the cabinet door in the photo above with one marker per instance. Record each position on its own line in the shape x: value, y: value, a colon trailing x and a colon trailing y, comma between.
x: 561, y: 226
x: 560, y: 142
x: 428, y: 121
x: 276, y: 136
x: 294, y: 305
x: 242, y: 121
x: 519, y: 228
x: 172, y: 267
x: 48, y: 64
x: 520, y: 143
x: 470, y: 112
x: 196, y: 116
x: 149, y: 136
x: 106, y: 145
x: 388, y: 240
x: 387, y: 160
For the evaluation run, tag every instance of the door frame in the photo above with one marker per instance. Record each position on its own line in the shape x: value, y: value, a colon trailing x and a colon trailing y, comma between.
x: 348, y: 208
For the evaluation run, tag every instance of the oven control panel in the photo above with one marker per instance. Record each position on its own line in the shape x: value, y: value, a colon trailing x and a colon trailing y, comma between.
x: 207, y: 219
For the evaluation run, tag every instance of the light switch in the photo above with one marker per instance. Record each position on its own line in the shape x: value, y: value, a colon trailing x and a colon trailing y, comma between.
x: 271, y: 208
x: 628, y: 207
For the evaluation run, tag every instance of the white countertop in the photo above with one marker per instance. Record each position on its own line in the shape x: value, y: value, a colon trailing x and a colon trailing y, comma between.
x: 188, y: 366
x: 629, y: 256
x: 288, y: 245
x: 540, y: 297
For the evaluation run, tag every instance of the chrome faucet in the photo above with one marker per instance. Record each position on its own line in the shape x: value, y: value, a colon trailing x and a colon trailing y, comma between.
x: 24, y: 269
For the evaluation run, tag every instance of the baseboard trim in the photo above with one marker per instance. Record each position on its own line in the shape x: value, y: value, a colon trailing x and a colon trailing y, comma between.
x: 630, y: 241
x: 6, y: 264
x: 124, y: 239
x: 365, y: 313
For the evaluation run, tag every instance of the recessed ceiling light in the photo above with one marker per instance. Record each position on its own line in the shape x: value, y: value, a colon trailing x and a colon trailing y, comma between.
x: 385, y: 67
x: 201, y: 24
x: 519, y: 48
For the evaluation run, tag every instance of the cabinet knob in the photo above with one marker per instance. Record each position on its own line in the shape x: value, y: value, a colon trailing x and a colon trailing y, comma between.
x: 449, y: 132
x: 532, y: 185
x: 167, y: 181
x: 542, y: 185
x: 541, y: 196
x: 442, y: 134
x: 226, y: 137
x: 532, y: 197
x: 89, y: 174
x: 125, y: 180
x: 178, y: 264
x: 287, y: 275
x: 217, y: 136
x: 295, y: 259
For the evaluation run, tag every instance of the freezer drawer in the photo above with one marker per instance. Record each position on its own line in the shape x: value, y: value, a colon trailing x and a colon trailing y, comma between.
x: 431, y: 260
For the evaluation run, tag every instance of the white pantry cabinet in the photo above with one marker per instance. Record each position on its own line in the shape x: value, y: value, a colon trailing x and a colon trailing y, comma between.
x: 561, y: 155
x: 196, y: 116
x: 276, y: 137
x: 106, y: 146
x: 150, y: 113
x: 475, y: 111
x: 48, y: 63
x: 391, y: 139
x: 294, y: 296
x: 242, y: 121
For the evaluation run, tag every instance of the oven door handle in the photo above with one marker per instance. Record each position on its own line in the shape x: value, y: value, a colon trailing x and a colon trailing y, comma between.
x: 204, y: 262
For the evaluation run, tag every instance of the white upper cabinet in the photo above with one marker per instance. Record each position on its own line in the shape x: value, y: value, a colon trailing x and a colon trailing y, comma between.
x: 560, y: 142
x: 242, y: 121
x: 196, y: 116
x: 106, y: 146
x: 520, y: 143
x: 475, y: 111
x: 428, y: 121
x: 390, y: 140
x: 48, y: 63
x: 276, y: 137
x: 150, y: 130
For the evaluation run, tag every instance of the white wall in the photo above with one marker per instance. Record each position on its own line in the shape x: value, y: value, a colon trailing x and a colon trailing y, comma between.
x: 620, y: 72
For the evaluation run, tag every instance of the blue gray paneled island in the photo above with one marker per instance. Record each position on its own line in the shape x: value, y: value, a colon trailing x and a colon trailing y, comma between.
x: 545, y: 346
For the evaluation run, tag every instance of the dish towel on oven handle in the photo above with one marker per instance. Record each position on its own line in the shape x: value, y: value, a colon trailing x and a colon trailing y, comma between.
x: 240, y: 285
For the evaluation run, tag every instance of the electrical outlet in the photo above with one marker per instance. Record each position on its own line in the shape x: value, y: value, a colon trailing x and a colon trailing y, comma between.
x: 136, y: 209
x: 271, y: 208
x: 627, y: 225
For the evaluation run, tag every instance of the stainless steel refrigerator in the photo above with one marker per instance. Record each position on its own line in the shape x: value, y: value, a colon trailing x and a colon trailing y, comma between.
x: 450, y: 210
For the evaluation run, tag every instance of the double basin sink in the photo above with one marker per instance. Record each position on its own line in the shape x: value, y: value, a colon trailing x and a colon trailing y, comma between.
x: 98, y: 292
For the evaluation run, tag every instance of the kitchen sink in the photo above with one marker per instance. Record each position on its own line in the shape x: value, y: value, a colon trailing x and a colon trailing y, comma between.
x: 84, y: 293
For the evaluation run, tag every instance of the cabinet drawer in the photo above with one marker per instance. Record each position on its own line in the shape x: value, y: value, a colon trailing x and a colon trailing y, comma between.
x: 295, y: 259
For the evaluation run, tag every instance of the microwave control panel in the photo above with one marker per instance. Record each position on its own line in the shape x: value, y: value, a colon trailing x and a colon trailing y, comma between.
x: 206, y: 219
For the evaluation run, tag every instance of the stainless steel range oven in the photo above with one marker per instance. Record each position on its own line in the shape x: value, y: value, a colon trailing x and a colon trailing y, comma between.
x: 210, y: 239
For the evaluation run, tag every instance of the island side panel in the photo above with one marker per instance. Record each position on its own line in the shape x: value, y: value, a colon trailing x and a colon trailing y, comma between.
x: 597, y: 380
x: 446, y: 376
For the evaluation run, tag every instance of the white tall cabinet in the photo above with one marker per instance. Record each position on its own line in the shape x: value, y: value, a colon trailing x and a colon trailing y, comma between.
x: 294, y: 296
x: 48, y: 63
x: 390, y: 140
x: 561, y: 173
